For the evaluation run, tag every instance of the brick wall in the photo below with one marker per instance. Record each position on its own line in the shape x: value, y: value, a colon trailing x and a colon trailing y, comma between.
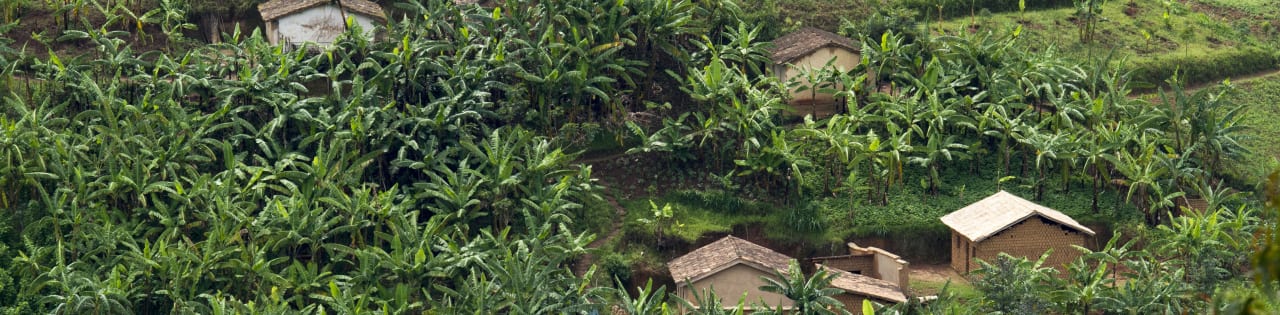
x: 852, y: 302
x: 960, y: 247
x: 1029, y: 238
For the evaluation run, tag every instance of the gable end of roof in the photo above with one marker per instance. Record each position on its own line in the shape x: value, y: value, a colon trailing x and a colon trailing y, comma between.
x: 274, y: 9
x: 804, y: 41
x: 989, y: 216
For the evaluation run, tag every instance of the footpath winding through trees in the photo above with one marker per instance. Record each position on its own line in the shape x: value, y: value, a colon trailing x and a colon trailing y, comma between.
x: 584, y: 264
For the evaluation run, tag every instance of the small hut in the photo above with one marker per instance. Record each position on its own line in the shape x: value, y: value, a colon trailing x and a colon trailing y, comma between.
x: 1005, y: 223
x: 858, y: 288
x: 809, y: 49
x: 292, y: 22
x: 866, y: 273
x: 733, y: 267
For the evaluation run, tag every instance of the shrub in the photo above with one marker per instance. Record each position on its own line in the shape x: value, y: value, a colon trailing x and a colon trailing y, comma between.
x: 616, y: 266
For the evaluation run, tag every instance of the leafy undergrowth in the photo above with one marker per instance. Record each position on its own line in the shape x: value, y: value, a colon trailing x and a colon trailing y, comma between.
x: 695, y: 214
x: 1261, y: 97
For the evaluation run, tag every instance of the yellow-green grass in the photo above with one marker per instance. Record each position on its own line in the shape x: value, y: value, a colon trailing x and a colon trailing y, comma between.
x: 1262, y: 99
x: 959, y: 288
x: 690, y: 221
x: 1144, y: 35
x: 1265, y: 8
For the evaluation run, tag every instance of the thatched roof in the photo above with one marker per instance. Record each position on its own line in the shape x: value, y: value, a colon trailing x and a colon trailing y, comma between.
x: 865, y: 286
x: 721, y: 255
x: 276, y: 8
x: 806, y: 40
x: 993, y: 214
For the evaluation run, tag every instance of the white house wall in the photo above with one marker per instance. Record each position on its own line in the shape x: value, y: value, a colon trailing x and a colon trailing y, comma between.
x: 845, y: 60
x: 320, y: 24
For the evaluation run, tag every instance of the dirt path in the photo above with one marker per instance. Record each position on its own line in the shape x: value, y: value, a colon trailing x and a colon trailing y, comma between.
x: 1192, y: 89
x: 935, y: 273
x: 589, y: 259
x: 1240, y: 79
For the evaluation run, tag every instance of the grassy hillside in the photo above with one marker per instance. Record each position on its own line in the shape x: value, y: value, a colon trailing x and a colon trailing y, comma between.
x: 1262, y: 97
x: 1207, y: 42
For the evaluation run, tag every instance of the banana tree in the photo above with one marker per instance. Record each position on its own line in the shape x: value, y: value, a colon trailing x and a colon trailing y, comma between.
x: 810, y: 295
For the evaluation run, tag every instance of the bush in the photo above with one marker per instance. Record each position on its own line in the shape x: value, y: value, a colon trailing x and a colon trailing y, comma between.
x: 616, y: 266
x: 955, y: 8
x: 889, y: 18
x: 1201, y: 68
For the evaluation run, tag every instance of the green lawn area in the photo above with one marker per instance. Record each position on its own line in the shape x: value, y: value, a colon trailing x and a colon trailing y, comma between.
x: 1146, y: 34
x: 1262, y: 98
x: 1265, y: 8
x: 962, y: 290
x: 1138, y: 30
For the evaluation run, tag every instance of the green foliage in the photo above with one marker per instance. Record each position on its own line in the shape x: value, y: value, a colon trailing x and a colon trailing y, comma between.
x: 1015, y: 285
x: 810, y: 295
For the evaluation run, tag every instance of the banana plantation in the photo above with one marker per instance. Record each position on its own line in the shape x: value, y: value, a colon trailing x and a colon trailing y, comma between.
x: 438, y: 168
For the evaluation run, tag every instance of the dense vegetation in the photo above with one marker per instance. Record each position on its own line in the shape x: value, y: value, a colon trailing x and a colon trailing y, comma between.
x: 435, y: 172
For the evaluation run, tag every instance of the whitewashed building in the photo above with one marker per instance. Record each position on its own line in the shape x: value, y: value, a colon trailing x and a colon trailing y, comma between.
x: 293, y: 22
x: 809, y: 49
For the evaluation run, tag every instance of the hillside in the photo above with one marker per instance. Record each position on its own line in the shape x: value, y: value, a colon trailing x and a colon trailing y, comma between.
x: 554, y: 157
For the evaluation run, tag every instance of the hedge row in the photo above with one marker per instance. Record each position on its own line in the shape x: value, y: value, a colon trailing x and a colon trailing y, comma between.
x: 928, y: 9
x: 1202, y: 68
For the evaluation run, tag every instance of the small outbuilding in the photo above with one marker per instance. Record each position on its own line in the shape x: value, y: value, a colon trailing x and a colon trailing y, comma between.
x: 293, y: 22
x: 809, y: 49
x: 867, y: 273
x: 733, y: 268
x: 858, y: 288
x: 1005, y: 223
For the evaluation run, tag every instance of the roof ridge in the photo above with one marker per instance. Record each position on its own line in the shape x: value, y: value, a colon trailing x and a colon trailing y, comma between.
x: 1001, y: 210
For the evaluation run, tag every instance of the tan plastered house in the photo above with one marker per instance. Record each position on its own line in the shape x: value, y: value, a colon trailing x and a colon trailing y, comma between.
x: 810, y: 49
x: 293, y: 22
x: 1007, y: 223
x: 732, y: 267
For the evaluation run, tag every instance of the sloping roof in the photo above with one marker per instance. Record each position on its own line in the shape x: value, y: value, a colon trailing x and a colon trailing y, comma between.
x: 865, y: 286
x: 276, y: 8
x: 997, y: 212
x: 806, y: 40
x: 725, y: 253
